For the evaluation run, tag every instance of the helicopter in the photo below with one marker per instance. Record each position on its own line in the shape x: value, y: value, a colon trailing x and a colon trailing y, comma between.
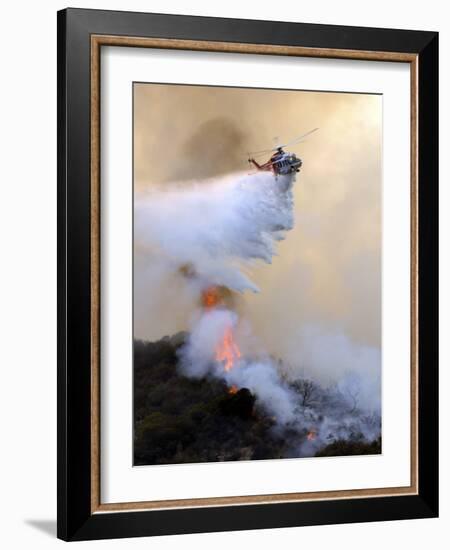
x: 281, y: 162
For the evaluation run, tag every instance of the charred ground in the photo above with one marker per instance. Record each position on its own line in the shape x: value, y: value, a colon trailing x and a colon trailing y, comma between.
x: 185, y: 420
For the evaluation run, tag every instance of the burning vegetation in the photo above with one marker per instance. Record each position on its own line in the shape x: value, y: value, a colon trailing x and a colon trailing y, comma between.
x: 227, y: 351
x: 198, y: 398
x: 180, y: 419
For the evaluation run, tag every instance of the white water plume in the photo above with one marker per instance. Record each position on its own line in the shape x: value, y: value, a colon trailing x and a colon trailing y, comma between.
x: 216, y: 230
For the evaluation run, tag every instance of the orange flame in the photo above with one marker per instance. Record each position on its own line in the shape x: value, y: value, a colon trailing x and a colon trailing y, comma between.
x: 227, y: 350
x: 233, y: 390
x: 211, y: 297
x: 311, y: 435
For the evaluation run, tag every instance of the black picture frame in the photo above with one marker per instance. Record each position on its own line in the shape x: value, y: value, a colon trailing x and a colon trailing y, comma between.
x: 75, y: 518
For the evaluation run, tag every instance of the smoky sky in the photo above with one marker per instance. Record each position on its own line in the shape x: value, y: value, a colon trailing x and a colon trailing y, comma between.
x: 328, y: 269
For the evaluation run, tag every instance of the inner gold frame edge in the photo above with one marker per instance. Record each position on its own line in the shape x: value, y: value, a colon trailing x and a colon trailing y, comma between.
x: 128, y: 41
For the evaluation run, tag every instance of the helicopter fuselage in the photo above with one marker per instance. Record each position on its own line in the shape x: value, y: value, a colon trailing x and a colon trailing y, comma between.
x: 280, y: 162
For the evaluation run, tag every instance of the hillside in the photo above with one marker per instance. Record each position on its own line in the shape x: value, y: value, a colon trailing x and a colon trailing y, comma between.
x: 181, y: 420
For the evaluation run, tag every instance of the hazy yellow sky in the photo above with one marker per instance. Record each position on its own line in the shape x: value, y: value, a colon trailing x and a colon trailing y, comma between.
x: 328, y: 270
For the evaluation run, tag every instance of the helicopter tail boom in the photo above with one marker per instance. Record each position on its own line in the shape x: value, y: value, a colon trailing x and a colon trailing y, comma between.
x: 255, y: 164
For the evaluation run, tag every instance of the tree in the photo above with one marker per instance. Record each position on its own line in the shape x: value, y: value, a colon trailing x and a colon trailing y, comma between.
x: 307, y: 390
x: 352, y: 391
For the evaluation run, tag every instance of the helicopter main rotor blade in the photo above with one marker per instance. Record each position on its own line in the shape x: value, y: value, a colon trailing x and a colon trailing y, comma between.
x: 299, y: 138
x: 296, y: 140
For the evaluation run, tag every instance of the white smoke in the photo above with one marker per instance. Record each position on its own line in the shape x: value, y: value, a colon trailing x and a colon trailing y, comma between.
x: 329, y: 356
x: 212, y: 234
x: 263, y: 380
x: 207, y: 330
x: 258, y: 374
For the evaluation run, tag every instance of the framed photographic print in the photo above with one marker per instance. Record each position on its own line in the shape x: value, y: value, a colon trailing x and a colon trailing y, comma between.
x: 247, y: 254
